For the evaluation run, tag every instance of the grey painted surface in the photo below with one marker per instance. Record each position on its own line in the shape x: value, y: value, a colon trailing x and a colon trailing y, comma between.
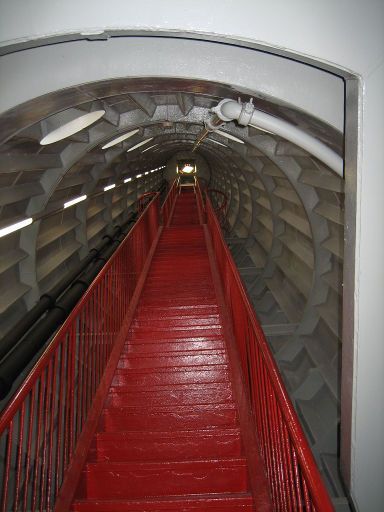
x: 25, y: 75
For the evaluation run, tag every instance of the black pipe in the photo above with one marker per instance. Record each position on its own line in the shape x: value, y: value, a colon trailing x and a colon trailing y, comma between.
x: 47, y: 300
x: 26, y: 348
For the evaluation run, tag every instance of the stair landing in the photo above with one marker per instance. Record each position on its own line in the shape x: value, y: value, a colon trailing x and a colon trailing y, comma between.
x: 168, y: 437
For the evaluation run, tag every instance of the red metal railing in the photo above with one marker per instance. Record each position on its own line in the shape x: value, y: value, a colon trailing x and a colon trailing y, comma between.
x: 166, y: 209
x: 40, y: 427
x: 294, y: 480
x: 144, y: 200
x: 200, y: 202
x: 220, y: 202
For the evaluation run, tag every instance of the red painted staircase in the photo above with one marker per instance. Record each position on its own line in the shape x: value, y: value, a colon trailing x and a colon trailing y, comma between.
x: 168, y: 437
x: 136, y: 405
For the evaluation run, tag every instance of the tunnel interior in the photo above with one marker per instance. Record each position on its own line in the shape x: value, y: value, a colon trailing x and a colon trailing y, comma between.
x: 284, y: 223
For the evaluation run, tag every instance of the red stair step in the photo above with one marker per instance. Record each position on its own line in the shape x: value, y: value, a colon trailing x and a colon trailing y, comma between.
x: 166, y: 376
x: 176, y: 345
x: 163, y: 418
x: 241, y: 502
x: 181, y: 359
x: 174, y: 310
x: 162, y: 333
x: 194, y: 394
x: 151, y: 301
x: 181, y: 320
x: 130, y: 480
x: 165, y: 446
x: 133, y: 339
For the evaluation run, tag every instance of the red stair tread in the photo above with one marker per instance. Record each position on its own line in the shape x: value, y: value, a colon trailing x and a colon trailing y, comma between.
x: 240, y: 502
x: 175, y: 345
x: 167, y: 377
x: 204, y: 394
x: 169, y: 445
x: 163, y: 418
x: 168, y: 437
x: 183, y: 359
x: 179, y: 395
x: 130, y: 480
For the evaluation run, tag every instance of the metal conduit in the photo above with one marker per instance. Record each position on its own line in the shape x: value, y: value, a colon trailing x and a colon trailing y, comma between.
x: 246, y: 115
x: 27, y: 338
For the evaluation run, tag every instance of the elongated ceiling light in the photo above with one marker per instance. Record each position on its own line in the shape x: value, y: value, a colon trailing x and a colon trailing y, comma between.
x: 109, y: 187
x: 261, y: 129
x: 120, y: 139
x: 139, y: 144
x: 14, y: 227
x: 216, y: 142
x: 150, y: 147
x: 229, y: 136
x: 75, y: 201
x: 72, y: 127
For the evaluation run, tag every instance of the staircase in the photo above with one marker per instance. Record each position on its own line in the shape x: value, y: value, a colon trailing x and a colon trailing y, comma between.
x: 168, y: 438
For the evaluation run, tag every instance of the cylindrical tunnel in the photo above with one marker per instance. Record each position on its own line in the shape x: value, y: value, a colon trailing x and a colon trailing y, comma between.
x: 284, y: 222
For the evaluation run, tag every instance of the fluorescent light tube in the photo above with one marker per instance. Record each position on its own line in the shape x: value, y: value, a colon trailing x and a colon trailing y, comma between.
x: 72, y: 127
x: 120, y: 139
x: 216, y: 142
x: 228, y: 136
x: 14, y: 227
x: 150, y: 147
x: 139, y: 144
x: 74, y: 201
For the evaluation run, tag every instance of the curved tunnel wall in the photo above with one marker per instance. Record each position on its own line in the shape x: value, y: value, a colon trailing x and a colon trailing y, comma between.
x: 284, y: 222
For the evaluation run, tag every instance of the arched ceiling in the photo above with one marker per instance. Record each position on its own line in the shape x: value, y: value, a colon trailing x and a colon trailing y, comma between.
x: 37, y: 179
x: 285, y: 216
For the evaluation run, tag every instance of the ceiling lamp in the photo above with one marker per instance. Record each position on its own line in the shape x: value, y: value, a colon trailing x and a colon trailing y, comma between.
x: 14, y: 227
x: 188, y: 168
x: 216, y: 142
x: 120, y: 139
x: 67, y: 123
x: 75, y: 201
x: 261, y: 129
x: 150, y: 147
x: 139, y: 144
x: 228, y: 136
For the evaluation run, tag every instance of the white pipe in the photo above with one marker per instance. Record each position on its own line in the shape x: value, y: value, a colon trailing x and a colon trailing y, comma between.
x: 246, y: 114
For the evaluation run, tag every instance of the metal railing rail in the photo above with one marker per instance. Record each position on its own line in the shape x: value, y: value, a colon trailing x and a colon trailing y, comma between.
x: 41, y: 426
x: 144, y: 200
x: 166, y: 209
x: 220, y: 203
x: 200, y: 203
x: 294, y: 479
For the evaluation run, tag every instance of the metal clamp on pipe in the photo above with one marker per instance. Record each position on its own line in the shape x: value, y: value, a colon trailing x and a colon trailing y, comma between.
x: 247, y: 115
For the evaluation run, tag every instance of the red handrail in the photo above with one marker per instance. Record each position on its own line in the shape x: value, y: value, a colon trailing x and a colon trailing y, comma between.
x: 40, y: 427
x: 221, y: 207
x: 143, y: 200
x: 200, y: 203
x: 166, y: 209
x: 294, y: 479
